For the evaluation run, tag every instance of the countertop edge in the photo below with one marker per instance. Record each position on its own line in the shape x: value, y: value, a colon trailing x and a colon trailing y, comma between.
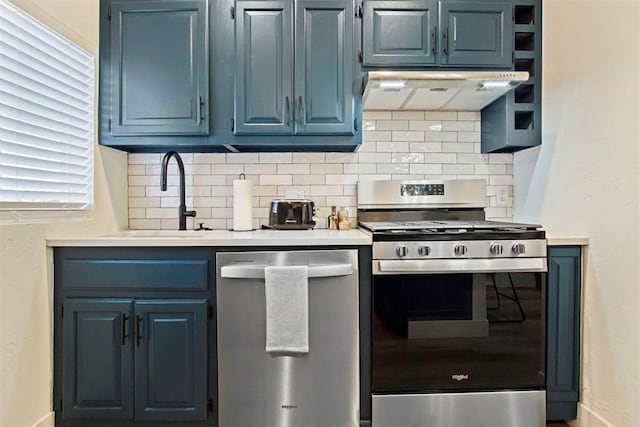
x: 352, y: 237
x: 568, y: 241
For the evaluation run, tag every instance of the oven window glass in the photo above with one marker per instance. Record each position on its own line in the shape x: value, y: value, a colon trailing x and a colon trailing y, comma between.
x: 439, y: 332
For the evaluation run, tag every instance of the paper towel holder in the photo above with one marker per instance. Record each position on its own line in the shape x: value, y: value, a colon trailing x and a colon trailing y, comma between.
x: 241, y: 177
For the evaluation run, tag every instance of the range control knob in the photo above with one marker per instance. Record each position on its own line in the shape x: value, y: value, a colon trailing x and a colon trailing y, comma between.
x: 402, y: 251
x: 518, y: 248
x: 424, y: 250
x: 460, y: 249
x: 496, y: 249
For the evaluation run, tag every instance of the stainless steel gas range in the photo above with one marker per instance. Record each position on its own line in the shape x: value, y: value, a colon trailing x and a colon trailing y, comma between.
x: 458, y: 308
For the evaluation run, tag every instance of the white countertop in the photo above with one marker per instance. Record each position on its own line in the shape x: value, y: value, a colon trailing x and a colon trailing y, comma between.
x: 158, y: 238
x: 567, y: 241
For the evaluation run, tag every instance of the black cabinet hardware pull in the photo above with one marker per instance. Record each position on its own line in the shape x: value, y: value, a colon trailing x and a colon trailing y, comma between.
x: 287, y: 111
x: 138, y: 330
x: 199, y: 112
x: 123, y: 330
x: 300, y: 109
x: 433, y: 40
x: 445, y: 48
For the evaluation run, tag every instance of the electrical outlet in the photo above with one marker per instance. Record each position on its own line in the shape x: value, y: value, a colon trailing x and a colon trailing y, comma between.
x: 502, y: 196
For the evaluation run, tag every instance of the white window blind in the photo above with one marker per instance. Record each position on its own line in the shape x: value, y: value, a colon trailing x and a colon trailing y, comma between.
x: 46, y: 117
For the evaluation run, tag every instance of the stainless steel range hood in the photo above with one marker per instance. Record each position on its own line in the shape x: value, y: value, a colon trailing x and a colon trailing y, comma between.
x: 438, y: 90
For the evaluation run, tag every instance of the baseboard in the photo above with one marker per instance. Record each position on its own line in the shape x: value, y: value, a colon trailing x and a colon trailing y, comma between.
x: 587, y: 418
x: 46, y: 421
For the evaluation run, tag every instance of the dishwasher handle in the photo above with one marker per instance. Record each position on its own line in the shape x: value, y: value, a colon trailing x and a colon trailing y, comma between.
x: 257, y: 271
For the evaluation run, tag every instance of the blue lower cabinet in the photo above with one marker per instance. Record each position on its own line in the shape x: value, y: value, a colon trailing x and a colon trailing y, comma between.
x: 563, y: 332
x: 134, y: 360
x: 98, y: 359
x: 171, y: 360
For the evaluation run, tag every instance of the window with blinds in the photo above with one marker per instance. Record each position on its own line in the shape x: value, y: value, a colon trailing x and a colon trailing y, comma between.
x: 46, y: 117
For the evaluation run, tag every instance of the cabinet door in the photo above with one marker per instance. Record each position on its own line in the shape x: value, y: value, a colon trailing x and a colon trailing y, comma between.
x: 264, y: 67
x: 171, y: 359
x: 400, y: 33
x: 324, y: 67
x: 159, y: 68
x: 563, y: 332
x: 474, y: 33
x: 97, y: 359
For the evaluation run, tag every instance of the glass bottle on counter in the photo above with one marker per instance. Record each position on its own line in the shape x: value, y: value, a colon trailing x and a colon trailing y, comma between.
x: 332, y: 219
x: 343, y: 219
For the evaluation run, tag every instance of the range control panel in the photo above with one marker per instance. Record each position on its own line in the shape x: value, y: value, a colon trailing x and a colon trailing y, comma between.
x: 422, y: 189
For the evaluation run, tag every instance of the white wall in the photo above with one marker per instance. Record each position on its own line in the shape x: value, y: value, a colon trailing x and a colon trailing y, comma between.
x: 585, y: 180
x: 25, y: 289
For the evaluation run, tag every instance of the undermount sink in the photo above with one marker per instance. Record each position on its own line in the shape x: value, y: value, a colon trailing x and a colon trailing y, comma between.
x: 163, y: 233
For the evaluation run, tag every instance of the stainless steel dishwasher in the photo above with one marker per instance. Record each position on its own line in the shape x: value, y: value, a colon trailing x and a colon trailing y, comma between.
x: 260, y: 389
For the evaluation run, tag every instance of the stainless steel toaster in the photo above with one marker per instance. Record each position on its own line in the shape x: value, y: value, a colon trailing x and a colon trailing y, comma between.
x: 292, y: 214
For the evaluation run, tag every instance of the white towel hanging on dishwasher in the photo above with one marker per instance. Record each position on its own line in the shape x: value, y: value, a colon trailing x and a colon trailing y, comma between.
x: 287, y: 303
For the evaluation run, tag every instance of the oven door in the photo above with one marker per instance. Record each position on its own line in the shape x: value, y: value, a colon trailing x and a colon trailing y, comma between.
x: 463, y: 330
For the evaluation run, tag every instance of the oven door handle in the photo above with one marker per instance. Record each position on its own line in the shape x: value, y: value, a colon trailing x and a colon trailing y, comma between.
x: 257, y: 271
x: 432, y: 266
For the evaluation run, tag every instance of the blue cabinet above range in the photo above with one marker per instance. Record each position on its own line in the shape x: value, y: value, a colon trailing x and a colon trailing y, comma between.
x: 172, y: 76
x: 429, y: 33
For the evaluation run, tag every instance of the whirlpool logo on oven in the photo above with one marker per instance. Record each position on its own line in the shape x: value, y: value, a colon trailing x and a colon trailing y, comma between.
x: 459, y: 377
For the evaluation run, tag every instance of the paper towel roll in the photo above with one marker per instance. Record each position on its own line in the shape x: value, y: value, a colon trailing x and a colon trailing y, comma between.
x: 242, y: 209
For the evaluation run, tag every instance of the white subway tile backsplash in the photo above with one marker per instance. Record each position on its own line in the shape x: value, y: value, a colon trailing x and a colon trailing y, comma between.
x: 428, y: 147
x: 275, y: 157
x: 407, y: 115
x: 469, y: 115
x: 441, y: 136
x: 327, y: 168
x: 341, y: 179
x: 426, y: 125
x: 359, y: 168
x: 392, y: 147
x: 293, y: 168
x: 376, y: 115
x: 407, y: 158
x: 440, y: 115
x: 457, y: 169
x: 309, y: 180
x: 441, y: 158
x: 402, y: 135
x: 308, y: 157
x: 392, y: 125
x: 243, y: 158
x: 457, y: 125
x: 393, y: 168
x: 409, y: 145
x: 276, y: 180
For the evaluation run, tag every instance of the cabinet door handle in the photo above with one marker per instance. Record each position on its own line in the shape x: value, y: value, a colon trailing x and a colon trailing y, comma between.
x: 199, y: 112
x: 287, y: 111
x: 123, y: 330
x: 138, y: 330
x: 445, y: 43
x: 300, y: 109
x: 434, y: 40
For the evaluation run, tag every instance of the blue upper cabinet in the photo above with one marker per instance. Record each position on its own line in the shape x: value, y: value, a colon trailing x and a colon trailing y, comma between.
x: 159, y: 68
x: 324, y: 67
x: 400, y: 32
x: 476, y: 34
x: 426, y: 33
x: 313, y: 95
x: 264, y: 67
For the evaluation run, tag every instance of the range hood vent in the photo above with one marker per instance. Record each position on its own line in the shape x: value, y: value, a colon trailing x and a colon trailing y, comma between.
x: 438, y: 90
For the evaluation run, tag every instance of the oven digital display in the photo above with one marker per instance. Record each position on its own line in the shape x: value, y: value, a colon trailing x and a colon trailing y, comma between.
x: 422, y: 189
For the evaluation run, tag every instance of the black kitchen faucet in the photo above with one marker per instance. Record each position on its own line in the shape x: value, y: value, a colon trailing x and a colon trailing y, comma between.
x: 183, y: 213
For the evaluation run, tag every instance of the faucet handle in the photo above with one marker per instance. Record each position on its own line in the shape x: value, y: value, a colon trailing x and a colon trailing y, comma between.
x: 190, y: 213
